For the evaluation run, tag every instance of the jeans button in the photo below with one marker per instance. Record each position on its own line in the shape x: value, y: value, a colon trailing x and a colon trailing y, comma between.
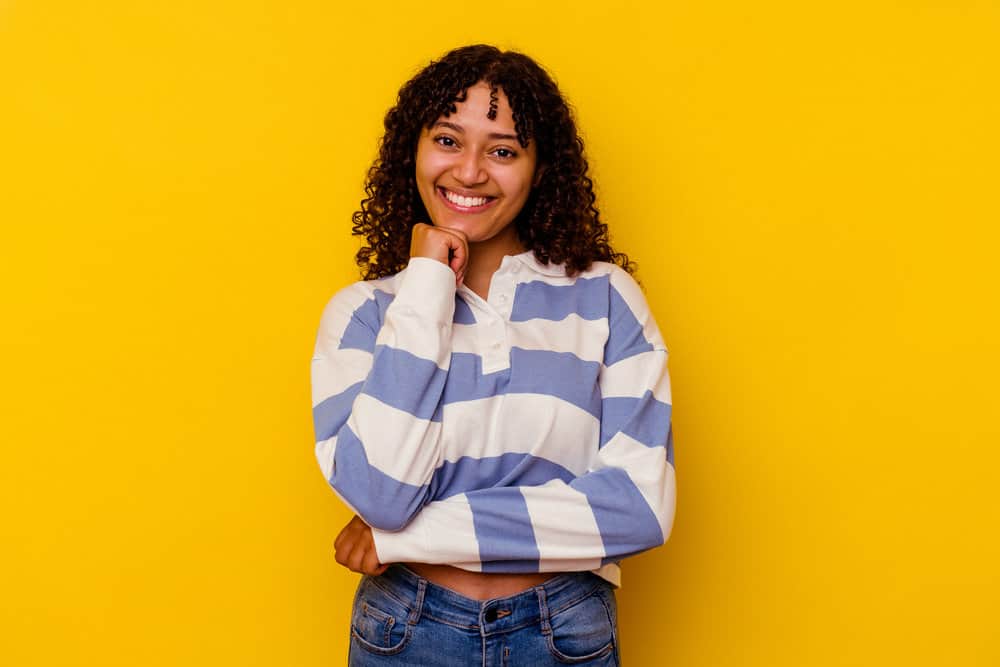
x: 490, y: 615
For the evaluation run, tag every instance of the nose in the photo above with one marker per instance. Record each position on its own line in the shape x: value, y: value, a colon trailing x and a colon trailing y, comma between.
x: 468, y: 169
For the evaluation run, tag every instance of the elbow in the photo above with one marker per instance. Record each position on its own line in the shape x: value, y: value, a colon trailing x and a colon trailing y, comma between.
x: 386, y: 517
x: 667, y: 509
x: 382, y: 503
x: 668, y: 527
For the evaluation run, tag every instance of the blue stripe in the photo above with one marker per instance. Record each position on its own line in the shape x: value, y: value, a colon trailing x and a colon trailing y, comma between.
x: 644, y: 419
x: 670, y: 446
x: 626, y: 337
x: 466, y: 381
x: 366, y: 321
x: 463, y: 314
x: 512, y: 566
x: 406, y: 381
x: 587, y: 297
x: 332, y: 412
x: 504, y: 531
x: 383, y: 502
x: 626, y: 522
x: 512, y: 469
x: 560, y: 374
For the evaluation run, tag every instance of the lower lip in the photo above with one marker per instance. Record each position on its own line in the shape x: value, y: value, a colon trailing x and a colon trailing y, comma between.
x: 464, y: 209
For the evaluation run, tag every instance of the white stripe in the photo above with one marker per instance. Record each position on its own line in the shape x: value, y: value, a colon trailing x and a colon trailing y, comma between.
x: 423, y: 336
x: 632, y: 294
x: 325, y: 450
x: 453, y: 531
x: 419, y: 320
x: 465, y: 339
x: 536, y: 424
x: 336, y: 315
x: 332, y: 376
x: 447, y: 534
x: 651, y: 473
x: 564, y: 526
x: 584, y: 338
x: 635, y: 375
x: 397, y: 443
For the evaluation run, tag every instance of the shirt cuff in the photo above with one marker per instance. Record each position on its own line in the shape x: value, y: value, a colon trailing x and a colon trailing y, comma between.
x: 401, y: 546
x: 428, y: 286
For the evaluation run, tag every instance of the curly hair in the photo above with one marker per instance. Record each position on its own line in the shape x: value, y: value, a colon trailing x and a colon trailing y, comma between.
x: 559, y: 222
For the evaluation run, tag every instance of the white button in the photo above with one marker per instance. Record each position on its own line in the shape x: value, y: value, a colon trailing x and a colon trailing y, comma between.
x: 495, y: 346
x: 503, y: 298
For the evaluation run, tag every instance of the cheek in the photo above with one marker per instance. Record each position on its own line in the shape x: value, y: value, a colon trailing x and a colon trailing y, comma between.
x: 521, y: 185
x: 425, y: 183
x: 424, y: 167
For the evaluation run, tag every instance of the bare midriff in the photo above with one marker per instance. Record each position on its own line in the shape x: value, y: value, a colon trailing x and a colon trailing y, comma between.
x: 479, y: 585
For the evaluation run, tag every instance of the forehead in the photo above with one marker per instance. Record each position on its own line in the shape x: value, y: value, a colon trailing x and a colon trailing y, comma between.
x: 482, y: 107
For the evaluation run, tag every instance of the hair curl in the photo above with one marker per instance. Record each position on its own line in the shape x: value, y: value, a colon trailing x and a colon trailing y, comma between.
x: 559, y: 222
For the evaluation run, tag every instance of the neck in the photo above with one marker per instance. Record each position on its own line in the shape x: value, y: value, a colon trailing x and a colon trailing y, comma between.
x: 485, y: 258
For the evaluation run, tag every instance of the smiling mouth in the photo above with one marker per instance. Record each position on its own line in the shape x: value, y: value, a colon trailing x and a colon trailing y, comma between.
x: 465, y: 204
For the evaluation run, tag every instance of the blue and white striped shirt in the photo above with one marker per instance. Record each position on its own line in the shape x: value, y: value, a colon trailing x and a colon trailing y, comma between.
x: 529, y: 432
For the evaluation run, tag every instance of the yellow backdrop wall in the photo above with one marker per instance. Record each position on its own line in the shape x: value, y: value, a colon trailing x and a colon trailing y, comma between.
x: 809, y: 191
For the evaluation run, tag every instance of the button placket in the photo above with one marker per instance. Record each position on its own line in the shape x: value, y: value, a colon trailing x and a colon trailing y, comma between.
x: 495, y: 356
x: 491, y: 327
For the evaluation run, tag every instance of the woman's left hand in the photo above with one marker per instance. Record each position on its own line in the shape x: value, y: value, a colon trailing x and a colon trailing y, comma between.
x: 355, y: 548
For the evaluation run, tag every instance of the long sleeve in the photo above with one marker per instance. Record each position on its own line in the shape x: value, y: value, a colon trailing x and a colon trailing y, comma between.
x: 376, y: 388
x: 622, y: 505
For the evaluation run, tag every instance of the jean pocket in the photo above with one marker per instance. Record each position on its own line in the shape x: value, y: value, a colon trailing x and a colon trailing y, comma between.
x: 378, y: 621
x: 585, y: 630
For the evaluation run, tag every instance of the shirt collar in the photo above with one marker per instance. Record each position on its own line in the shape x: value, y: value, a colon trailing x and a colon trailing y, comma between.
x: 528, y: 259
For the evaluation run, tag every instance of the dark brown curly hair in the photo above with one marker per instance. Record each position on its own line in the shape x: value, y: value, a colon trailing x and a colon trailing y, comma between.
x: 559, y: 221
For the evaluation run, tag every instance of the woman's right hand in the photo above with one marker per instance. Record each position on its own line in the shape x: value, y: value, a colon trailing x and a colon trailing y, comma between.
x: 448, y: 246
x: 355, y: 548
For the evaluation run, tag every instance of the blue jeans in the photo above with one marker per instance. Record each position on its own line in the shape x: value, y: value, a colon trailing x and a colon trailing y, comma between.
x: 400, y: 618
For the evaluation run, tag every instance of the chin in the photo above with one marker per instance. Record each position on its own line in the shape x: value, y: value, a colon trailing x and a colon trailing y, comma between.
x: 469, y: 227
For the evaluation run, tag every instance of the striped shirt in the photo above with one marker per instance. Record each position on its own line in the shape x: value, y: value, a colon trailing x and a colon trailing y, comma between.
x: 529, y: 432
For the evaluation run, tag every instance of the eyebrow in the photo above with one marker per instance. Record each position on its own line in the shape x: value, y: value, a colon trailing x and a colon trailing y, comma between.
x: 461, y: 130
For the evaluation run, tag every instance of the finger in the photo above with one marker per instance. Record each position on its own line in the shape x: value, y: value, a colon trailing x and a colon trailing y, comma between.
x: 459, y: 255
x: 370, y: 564
x: 345, y: 532
x: 342, y: 553
x: 355, y: 559
x: 341, y: 536
x: 348, y: 548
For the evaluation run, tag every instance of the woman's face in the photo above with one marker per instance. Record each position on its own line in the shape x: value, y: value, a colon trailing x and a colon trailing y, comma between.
x: 472, y: 174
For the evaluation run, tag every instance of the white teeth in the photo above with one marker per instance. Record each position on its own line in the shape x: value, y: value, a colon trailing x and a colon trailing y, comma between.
x: 467, y: 202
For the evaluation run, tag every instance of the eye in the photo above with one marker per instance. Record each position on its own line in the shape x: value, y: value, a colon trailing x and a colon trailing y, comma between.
x: 504, y: 153
x: 444, y: 140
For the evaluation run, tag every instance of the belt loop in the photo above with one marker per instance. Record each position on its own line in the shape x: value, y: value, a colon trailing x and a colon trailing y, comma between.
x: 543, y: 610
x: 418, y: 604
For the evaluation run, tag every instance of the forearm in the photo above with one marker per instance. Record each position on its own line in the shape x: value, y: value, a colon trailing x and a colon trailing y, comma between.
x: 376, y: 396
x: 600, y: 517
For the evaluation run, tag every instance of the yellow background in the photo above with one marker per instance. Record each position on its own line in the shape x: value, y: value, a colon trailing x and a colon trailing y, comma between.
x: 810, y: 192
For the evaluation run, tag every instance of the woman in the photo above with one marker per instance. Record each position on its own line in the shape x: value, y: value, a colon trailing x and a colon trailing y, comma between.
x: 493, y: 400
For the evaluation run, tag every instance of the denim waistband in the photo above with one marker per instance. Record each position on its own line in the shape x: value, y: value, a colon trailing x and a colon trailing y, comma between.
x: 496, y: 615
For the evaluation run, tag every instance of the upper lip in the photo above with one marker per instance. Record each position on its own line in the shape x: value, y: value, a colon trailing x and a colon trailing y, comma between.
x: 466, y: 193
